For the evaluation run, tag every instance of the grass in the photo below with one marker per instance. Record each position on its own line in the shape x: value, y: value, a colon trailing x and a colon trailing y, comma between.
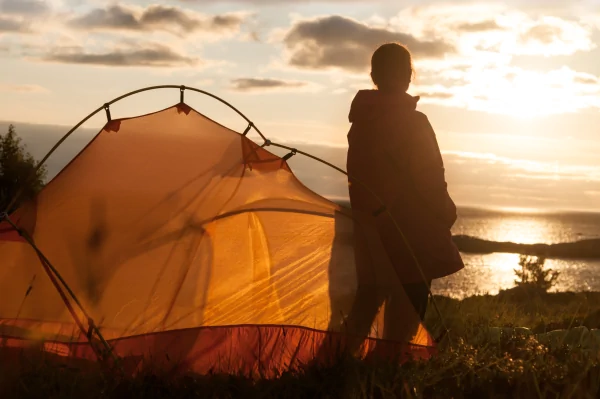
x: 470, y: 365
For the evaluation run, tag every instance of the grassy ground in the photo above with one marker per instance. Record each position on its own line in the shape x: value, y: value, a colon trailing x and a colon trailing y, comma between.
x: 470, y: 364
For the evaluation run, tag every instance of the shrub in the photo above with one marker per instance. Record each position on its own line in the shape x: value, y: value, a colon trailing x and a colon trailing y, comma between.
x: 533, y: 275
x: 18, y: 173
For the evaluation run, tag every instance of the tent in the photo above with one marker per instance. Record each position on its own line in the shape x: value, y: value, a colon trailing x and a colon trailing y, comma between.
x: 170, y: 236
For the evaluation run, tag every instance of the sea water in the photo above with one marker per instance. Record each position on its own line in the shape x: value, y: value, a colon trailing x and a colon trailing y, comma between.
x: 489, y: 273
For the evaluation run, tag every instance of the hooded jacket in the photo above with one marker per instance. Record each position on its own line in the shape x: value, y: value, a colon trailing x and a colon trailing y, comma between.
x: 393, y: 150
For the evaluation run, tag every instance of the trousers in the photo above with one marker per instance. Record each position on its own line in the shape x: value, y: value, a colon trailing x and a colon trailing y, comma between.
x: 418, y: 294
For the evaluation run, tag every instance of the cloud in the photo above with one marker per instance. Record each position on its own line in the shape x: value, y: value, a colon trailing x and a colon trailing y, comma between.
x: 487, y: 25
x: 549, y: 36
x: 545, y: 34
x: 158, y: 17
x: 258, y: 84
x: 480, y: 75
x: 529, y: 93
x: 586, y: 79
x: 476, y: 178
x: 527, y: 169
x: 12, y: 25
x: 343, y: 43
x: 23, y: 88
x: 436, y: 95
x: 24, y: 7
x: 148, y: 55
x: 508, y: 32
x: 487, y: 179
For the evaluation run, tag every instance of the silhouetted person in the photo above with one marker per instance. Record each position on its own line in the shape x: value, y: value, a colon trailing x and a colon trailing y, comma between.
x: 393, y: 149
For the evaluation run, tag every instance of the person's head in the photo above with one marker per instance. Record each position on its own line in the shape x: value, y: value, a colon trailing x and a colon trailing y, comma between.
x: 391, y: 67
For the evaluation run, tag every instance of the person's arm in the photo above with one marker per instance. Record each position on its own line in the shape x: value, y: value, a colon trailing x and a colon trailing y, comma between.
x: 428, y: 172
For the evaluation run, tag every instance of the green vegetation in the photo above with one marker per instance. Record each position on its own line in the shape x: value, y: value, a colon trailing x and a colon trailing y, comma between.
x: 18, y: 173
x: 476, y: 361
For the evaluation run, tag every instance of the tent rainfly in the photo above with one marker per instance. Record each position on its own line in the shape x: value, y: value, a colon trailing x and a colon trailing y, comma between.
x: 172, y: 238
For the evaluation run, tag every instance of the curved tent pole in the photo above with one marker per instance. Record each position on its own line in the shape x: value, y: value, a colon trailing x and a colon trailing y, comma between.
x: 266, y: 143
x: 107, y: 109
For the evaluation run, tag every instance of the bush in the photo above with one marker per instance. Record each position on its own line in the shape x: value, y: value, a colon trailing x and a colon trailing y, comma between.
x: 533, y: 275
x: 18, y: 173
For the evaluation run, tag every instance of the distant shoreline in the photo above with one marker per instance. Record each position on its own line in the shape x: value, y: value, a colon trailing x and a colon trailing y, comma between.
x: 582, y: 249
x: 505, y: 210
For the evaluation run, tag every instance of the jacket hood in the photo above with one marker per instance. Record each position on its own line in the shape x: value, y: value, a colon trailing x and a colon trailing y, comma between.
x: 372, y: 104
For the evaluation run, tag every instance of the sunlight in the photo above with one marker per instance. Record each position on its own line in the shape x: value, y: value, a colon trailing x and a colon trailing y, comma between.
x: 519, y: 210
x: 521, y: 229
x: 523, y: 94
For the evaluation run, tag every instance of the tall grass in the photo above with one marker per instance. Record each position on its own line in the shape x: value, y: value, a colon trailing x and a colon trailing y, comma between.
x: 474, y: 362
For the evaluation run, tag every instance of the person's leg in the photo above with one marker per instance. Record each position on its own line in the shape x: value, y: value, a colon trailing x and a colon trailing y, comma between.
x: 354, y: 320
x: 418, y: 293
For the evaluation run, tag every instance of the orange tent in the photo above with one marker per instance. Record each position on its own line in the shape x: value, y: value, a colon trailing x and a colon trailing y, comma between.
x: 173, y: 237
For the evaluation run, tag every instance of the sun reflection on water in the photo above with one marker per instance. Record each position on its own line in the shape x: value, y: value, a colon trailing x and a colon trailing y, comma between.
x: 523, y: 230
x: 483, y: 274
x: 489, y: 273
x: 527, y: 227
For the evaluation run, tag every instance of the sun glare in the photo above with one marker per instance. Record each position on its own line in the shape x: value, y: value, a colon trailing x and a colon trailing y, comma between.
x: 525, y: 95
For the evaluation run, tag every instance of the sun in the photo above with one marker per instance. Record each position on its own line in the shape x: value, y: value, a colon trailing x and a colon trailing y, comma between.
x: 530, y: 96
x: 524, y: 94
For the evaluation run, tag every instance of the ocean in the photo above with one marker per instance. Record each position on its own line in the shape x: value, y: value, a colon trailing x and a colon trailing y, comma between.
x: 489, y: 273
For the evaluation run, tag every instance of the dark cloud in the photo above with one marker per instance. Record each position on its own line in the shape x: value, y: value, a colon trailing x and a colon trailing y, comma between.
x: 12, y: 25
x: 114, y: 17
x: 479, y: 26
x: 150, y: 55
x: 340, y: 42
x: 254, y: 84
x: 24, y: 7
x: 545, y: 34
x: 155, y: 17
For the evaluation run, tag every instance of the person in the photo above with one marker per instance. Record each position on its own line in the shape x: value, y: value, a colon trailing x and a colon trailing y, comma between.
x: 393, y: 150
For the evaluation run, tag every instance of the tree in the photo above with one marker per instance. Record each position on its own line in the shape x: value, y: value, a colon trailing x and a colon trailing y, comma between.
x: 18, y: 174
x: 533, y: 275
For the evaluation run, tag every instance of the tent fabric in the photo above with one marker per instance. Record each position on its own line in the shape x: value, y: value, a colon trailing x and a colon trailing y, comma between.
x: 180, y: 236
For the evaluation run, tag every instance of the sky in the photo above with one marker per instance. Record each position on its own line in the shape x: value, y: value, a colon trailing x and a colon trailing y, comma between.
x: 511, y: 88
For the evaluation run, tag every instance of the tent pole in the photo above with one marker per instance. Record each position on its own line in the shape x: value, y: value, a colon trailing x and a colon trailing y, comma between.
x: 105, y: 107
x: 53, y: 274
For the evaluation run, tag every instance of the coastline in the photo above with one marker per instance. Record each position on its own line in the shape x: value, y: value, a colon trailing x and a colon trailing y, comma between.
x: 581, y: 249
